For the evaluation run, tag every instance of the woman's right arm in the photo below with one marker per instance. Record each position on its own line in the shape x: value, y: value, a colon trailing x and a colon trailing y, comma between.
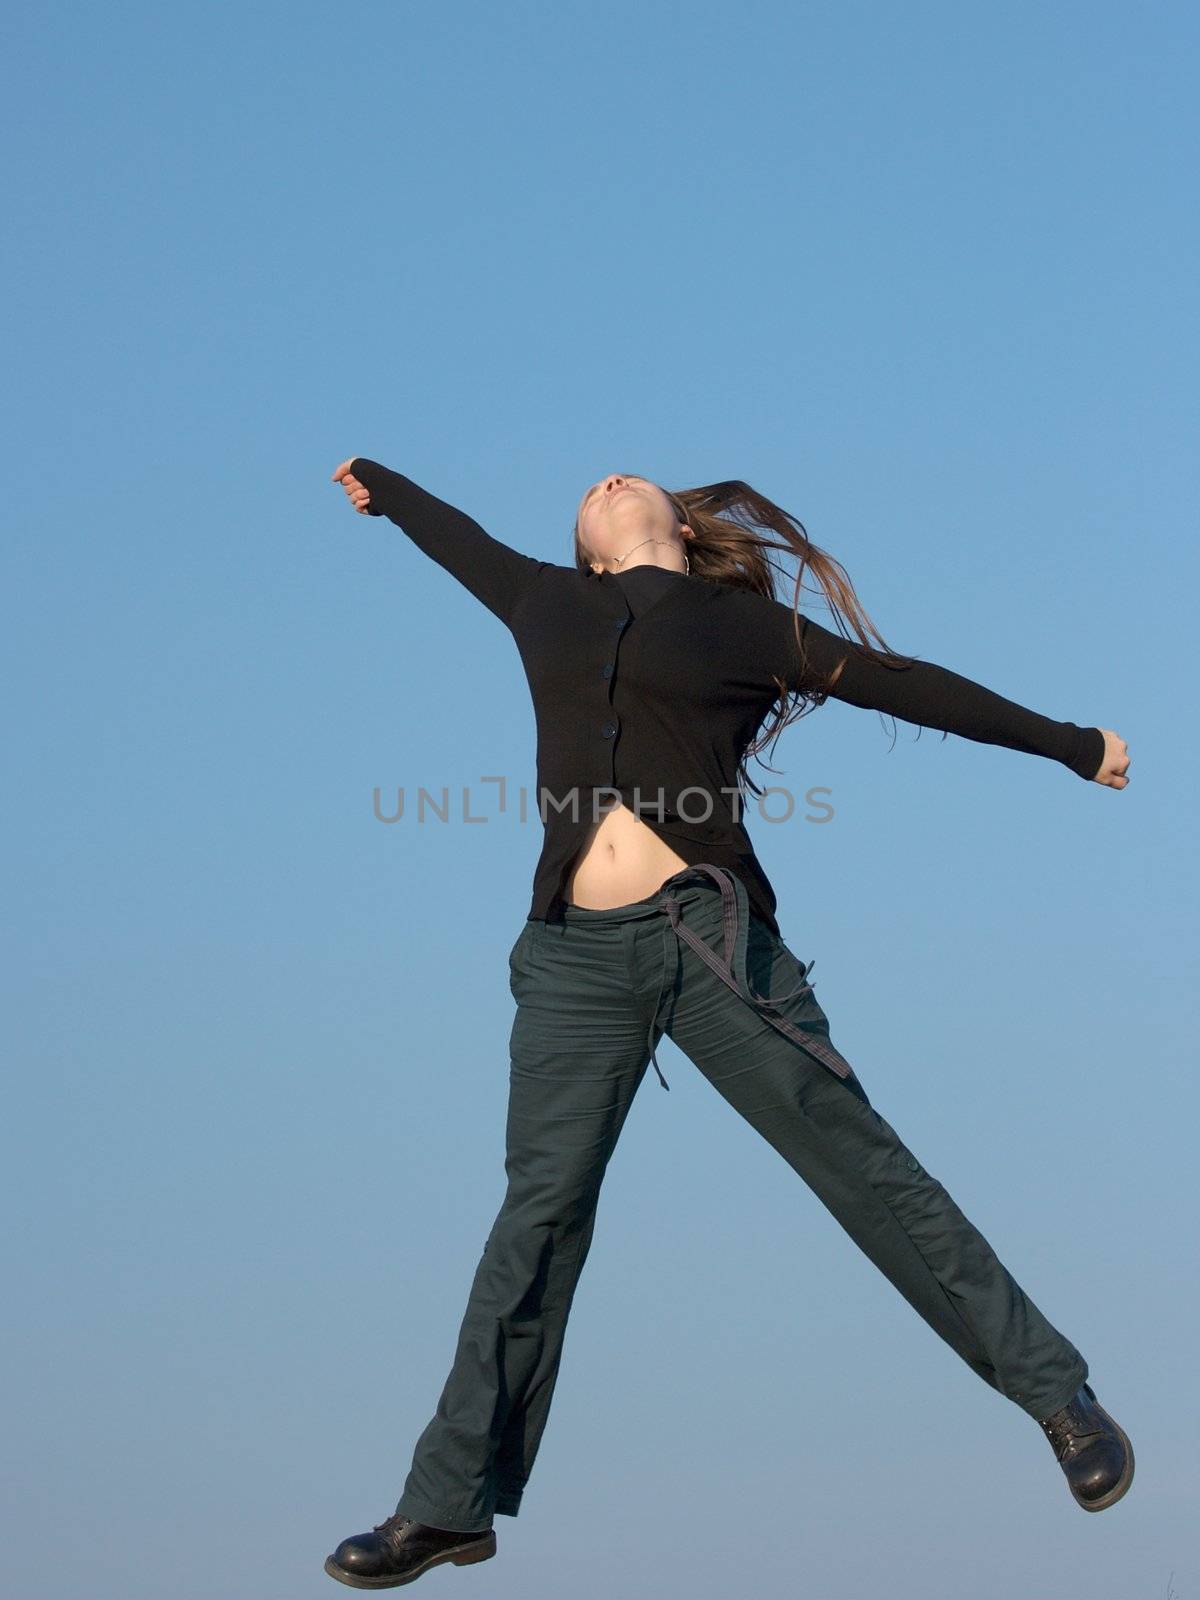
x: 495, y: 573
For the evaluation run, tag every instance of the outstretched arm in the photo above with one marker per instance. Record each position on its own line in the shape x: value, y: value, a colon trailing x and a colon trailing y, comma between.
x: 495, y: 573
x: 934, y: 697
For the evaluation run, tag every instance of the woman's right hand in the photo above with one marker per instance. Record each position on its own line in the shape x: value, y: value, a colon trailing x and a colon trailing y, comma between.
x: 360, y: 497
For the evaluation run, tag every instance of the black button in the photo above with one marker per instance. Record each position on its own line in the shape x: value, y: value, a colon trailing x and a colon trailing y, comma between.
x: 608, y: 670
x: 609, y: 729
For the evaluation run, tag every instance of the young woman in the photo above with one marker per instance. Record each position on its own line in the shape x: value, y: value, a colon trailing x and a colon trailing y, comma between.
x: 654, y: 660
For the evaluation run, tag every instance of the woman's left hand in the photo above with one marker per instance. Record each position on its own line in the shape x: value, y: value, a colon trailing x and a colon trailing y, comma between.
x: 1115, y: 766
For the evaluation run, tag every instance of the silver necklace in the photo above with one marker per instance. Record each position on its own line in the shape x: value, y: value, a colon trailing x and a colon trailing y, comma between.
x: 687, y: 564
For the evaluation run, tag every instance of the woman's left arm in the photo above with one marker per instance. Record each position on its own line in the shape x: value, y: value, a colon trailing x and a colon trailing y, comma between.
x: 934, y: 697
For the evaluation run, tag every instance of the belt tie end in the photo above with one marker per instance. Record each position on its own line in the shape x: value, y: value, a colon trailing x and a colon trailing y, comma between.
x: 654, y: 1058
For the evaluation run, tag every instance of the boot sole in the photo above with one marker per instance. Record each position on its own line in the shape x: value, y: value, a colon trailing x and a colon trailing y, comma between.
x: 464, y: 1556
x: 1126, y: 1478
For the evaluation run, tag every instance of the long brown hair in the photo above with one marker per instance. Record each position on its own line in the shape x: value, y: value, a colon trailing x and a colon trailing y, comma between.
x: 732, y: 523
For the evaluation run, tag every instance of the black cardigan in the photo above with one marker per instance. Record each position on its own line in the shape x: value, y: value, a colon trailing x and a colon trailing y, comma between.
x: 659, y: 707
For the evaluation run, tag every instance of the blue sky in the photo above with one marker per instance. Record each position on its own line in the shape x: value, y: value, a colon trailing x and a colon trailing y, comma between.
x: 925, y: 276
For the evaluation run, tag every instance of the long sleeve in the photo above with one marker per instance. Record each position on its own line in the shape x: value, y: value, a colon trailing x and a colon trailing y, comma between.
x: 495, y: 573
x: 925, y: 694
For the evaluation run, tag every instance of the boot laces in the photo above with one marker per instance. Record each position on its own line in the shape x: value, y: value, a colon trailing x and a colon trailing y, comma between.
x: 1068, y: 1431
x: 392, y: 1527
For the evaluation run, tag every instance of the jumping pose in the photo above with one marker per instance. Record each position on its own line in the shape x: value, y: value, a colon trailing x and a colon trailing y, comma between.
x: 659, y: 661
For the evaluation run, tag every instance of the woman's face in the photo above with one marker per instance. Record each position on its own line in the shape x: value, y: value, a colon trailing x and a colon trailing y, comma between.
x: 619, y: 512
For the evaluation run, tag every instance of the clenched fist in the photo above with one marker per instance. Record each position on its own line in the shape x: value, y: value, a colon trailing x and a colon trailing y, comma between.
x: 359, y: 497
x: 1115, y: 765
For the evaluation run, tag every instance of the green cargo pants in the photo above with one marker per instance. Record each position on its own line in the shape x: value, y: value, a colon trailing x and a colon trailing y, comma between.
x: 593, y: 993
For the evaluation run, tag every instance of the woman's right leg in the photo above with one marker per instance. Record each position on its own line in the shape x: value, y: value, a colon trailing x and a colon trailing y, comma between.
x: 577, y: 1056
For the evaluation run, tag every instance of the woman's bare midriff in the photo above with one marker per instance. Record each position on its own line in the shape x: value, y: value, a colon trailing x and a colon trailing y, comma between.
x: 621, y: 860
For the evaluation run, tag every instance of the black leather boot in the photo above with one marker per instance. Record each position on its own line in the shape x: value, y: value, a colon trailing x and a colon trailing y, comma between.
x: 1092, y: 1449
x: 398, y: 1550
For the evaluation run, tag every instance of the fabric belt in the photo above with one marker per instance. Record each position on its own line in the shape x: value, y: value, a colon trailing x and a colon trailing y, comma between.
x: 730, y: 966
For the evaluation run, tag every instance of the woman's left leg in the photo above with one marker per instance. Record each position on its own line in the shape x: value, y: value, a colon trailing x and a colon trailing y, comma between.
x: 825, y: 1127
